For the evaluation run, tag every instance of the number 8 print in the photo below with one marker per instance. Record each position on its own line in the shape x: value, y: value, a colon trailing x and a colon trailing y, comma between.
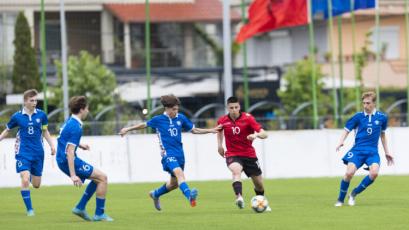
x: 30, y: 130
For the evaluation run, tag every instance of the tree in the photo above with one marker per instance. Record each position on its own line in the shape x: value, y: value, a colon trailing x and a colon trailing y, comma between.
x: 298, y: 89
x: 87, y: 76
x: 25, y: 69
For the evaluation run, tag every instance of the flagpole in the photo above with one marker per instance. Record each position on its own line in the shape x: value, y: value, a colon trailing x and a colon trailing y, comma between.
x: 228, y: 79
x: 314, y: 71
x: 357, y: 83
x: 407, y: 59
x: 148, y: 58
x: 244, y: 48
x: 331, y: 40
x: 341, y: 68
x: 64, y: 59
x: 378, y: 52
x: 43, y: 57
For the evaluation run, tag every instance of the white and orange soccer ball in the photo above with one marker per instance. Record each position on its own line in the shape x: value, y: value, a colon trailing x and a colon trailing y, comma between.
x: 259, y: 203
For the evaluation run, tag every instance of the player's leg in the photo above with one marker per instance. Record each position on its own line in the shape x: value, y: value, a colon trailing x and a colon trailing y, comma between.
x: 373, y: 161
x: 190, y: 194
x: 367, y: 181
x: 235, y: 167
x: 101, y: 180
x: 165, y: 188
x: 37, y: 171
x: 36, y: 181
x: 25, y: 191
x: 349, y: 173
x: 23, y: 167
x: 258, y: 185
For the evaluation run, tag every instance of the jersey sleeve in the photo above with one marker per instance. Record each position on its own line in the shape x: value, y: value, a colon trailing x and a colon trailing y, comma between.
x: 352, y: 123
x: 153, y: 123
x: 12, y: 123
x: 74, y: 137
x: 187, y: 125
x: 385, y: 124
x: 254, y: 124
x: 219, y: 121
x: 44, y: 122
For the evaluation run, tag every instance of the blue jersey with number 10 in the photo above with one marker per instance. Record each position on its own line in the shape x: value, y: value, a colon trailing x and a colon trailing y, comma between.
x: 169, y: 132
x: 368, y: 130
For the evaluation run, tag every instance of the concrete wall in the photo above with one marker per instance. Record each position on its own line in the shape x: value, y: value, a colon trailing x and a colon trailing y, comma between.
x: 285, y: 154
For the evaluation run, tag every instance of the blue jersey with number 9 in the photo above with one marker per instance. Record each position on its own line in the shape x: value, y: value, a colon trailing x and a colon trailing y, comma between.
x: 169, y: 132
x: 368, y: 128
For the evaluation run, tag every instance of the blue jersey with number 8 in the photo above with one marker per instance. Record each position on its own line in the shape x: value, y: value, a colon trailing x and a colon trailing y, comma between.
x: 29, y: 142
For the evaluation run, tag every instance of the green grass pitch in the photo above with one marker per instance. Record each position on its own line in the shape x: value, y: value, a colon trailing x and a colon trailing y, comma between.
x: 296, y: 204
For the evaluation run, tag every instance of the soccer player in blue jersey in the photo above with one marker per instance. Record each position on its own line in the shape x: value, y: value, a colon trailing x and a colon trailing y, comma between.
x: 369, y: 125
x: 169, y: 127
x: 77, y: 169
x: 32, y: 125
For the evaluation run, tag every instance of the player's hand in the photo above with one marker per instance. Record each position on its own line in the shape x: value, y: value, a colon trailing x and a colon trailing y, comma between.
x: 339, y: 146
x: 389, y: 158
x: 85, y: 147
x: 52, y: 150
x: 77, y: 181
x: 252, y: 137
x: 123, y: 132
x: 220, y: 149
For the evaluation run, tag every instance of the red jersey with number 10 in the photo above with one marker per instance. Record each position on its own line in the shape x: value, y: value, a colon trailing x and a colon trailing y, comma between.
x: 236, y: 132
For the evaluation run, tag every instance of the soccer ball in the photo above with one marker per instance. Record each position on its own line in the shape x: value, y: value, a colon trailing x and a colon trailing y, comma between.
x: 259, y: 203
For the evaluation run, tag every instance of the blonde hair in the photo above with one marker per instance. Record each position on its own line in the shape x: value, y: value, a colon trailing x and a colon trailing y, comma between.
x: 369, y: 94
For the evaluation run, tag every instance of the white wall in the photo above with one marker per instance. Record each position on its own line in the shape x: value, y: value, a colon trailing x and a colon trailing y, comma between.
x: 284, y: 154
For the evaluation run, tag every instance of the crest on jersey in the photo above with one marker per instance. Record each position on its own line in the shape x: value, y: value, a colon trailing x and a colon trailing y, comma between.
x: 179, y: 123
x: 376, y: 122
x: 38, y: 120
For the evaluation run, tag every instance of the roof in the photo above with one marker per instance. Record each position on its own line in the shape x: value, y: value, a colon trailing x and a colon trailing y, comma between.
x: 196, y: 11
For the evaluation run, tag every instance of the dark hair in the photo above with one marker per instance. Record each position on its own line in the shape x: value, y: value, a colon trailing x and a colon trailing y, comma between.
x: 29, y: 93
x: 169, y: 101
x: 369, y: 94
x: 77, y: 103
x: 232, y: 99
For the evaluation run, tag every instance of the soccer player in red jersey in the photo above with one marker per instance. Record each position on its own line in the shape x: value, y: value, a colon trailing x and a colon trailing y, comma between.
x: 240, y: 129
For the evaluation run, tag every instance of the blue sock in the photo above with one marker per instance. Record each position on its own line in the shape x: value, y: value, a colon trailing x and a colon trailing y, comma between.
x: 362, y: 186
x: 99, y: 210
x: 27, y: 199
x: 89, y: 192
x: 160, y: 191
x: 185, y: 189
x: 343, y: 190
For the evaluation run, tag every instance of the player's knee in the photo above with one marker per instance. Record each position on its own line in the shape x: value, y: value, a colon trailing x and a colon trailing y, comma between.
x: 173, y: 186
x: 104, y: 178
x: 349, y: 175
x: 25, y: 182
x: 36, y: 185
x: 373, y: 175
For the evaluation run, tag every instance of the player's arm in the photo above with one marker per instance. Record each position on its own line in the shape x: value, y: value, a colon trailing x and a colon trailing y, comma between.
x: 70, y: 158
x: 220, y: 148
x: 4, y: 134
x: 49, y: 140
x: 388, y: 155
x: 131, y: 128
x: 262, y: 134
x: 204, y: 131
x: 343, y: 137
